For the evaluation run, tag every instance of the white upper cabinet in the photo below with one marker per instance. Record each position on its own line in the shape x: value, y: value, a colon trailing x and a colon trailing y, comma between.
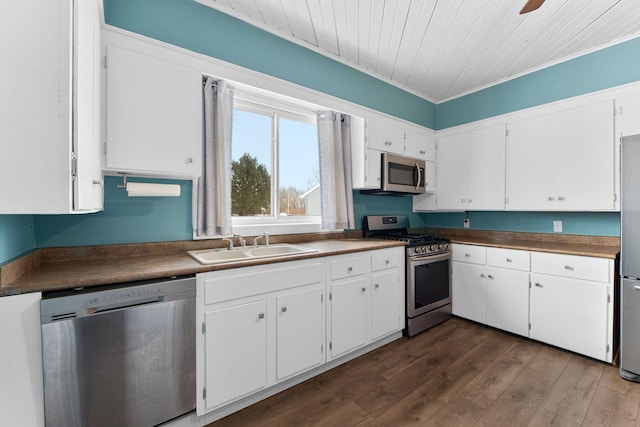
x: 153, y: 110
x: 628, y: 109
x: 50, y: 160
x: 471, y: 169
x: 563, y: 161
x: 385, y: 135
x: 420, y: 143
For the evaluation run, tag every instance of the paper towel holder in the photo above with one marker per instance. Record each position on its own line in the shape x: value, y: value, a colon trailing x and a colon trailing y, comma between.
x: 124, y: 180
x: 148, y: 190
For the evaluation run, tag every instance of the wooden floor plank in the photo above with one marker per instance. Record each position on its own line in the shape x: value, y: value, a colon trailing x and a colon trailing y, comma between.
x: 457, y: 373
x: 520, y: 401
x: 572, y: 393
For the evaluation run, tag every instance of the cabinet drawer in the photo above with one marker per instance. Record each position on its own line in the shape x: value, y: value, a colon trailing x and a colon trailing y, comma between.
x: 347, y: 267
x: 469, y: 253
x: 508, y: 258
x: 381, y: 260
x: 572, y: 266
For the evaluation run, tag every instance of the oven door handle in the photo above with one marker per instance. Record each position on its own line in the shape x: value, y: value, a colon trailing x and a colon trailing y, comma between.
x: 430, y: 258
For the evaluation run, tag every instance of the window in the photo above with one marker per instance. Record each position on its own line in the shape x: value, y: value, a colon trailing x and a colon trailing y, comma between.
x: 275, y: 166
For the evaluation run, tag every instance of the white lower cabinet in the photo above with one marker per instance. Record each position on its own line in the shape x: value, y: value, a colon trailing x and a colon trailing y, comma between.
x: 571, y: 303
x: 264, y: 326
x: 366, y: 298
x: 562, y: 300
x: 21, y: 383
x: 259, y: 325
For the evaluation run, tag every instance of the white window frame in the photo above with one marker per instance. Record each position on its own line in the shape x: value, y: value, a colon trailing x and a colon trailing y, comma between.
x: 274, y: 224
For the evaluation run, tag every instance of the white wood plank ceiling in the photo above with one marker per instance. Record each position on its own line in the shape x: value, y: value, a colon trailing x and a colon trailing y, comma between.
x: 441, y: 49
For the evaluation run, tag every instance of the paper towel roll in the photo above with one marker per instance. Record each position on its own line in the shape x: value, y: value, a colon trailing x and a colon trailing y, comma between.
x: 143, y: 189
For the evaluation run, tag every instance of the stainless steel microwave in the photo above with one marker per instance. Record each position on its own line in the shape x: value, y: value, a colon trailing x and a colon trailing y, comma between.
x: 400, y: 175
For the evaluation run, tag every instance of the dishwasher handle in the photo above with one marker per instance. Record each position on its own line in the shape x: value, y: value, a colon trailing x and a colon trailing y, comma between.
x: 122, y: 305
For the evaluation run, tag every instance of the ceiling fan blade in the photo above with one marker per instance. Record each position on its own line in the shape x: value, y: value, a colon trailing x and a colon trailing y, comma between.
x: 531, y: 6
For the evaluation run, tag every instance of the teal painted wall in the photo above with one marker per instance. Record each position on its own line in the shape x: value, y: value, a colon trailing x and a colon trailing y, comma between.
x: 584, y: 223
x: 614, y: 66
x: 16, y: 236
x: 368, y: 204
x: 124, y: 219
x: 202, y: 29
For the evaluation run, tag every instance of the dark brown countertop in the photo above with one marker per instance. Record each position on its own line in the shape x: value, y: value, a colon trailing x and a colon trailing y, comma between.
x: 67, y: 268
x: 594, y: 246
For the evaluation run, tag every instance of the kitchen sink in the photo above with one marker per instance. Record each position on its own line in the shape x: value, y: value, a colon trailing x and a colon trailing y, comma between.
x: 218, y: 256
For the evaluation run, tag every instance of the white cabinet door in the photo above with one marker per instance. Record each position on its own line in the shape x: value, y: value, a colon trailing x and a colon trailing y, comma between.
x: 563, y: 161
x: 508, y: 300
x: 471, y: 170
x: 570, y: 313
x: 236, y: 352
x: 21, y: 387
x: 348, y: 312
x: 300, y: 331
x: 385, y: 303
x: 420, y: 143
x: 152, y: 115
x: 49, y: 90
x: 385, y: 135
x: 628, y: 115
x: 469, y: 291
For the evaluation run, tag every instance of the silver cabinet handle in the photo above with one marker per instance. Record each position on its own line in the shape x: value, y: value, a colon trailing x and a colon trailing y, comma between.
x: 539, y: 285
x: 561, y: 198
x: 463, y: 200
x: 261, y: 316
x: 376, y: 286
x: 508, y: 260
x: 550, y: 199
x: 470, y: 200
x: 189, y: 160
x: 283, y: 309
x: 349, y: 269
x: 490, y: 276
x: 482, y: 275
x: 568, y: 267
x: 422, y: 152
x: 387, y: 262
x: 364, y: 290
x: 467, y: 255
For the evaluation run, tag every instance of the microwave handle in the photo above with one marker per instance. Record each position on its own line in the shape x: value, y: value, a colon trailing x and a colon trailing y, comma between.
x: 419, y: 177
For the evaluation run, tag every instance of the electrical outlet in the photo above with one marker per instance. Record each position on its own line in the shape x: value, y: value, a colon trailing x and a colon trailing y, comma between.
x: 557, y: 226
x: 466, y: 223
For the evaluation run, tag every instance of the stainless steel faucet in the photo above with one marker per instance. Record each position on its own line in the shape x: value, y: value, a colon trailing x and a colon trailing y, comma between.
x: 266, y: 239
x: 241, y: 239
x: 230, y: 243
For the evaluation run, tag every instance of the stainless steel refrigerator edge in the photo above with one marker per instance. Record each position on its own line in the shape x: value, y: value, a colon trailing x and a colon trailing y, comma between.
x: 630, y: 259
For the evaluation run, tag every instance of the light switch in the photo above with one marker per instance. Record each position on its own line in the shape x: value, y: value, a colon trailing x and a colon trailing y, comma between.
x: 557, y: 226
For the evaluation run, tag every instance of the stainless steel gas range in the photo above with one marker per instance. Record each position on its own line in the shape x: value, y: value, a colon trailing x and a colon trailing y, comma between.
x: 428, y: 271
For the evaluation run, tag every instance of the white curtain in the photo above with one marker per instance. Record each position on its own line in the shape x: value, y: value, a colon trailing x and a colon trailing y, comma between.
x: 334, y: 142
x: 214, y: 185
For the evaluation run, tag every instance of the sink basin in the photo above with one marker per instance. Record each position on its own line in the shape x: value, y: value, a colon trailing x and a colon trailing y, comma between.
x: 218, y: 256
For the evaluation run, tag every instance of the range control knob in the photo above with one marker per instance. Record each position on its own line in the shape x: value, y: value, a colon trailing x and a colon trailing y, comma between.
x: 433, y: 248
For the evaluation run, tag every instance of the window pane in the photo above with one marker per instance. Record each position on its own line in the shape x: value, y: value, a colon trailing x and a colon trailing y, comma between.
x: 299, y: 172
x: 251, y: 167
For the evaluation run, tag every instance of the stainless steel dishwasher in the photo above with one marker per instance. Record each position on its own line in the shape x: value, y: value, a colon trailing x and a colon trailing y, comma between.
x: 119, y: 356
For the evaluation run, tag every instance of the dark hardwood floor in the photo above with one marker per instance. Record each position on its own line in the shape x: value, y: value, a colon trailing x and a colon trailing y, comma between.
x: 456, y: 374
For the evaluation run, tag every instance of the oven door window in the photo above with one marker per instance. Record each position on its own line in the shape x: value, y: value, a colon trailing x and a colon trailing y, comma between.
x: 431, y: 283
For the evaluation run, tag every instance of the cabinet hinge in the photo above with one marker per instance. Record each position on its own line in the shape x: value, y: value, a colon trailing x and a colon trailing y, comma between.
x: 104, y: 61
x: 105, y: 148
x: 607, y: 349
x: 330, y: 297
x: 204, y: 393
x: 330, y: 345
x: 204, y: 328
x: 321, y: 298
x: 506, y: 132
x: 506, y: 200
x: 74, y: 166
x: 321, y: 348
x: 529, y: 326
x: 615, y: 197
x: 608, y: 298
